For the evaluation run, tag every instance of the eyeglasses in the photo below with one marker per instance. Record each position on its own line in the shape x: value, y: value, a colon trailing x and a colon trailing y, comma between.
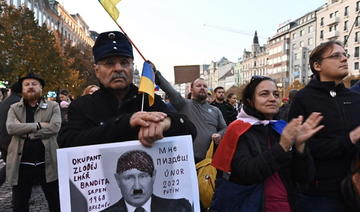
x: 337, y: 55
x: 112, y: 61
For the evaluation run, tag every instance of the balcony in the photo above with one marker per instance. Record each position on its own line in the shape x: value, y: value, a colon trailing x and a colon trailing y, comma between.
x: 332, y: 35
x: 333, y: 20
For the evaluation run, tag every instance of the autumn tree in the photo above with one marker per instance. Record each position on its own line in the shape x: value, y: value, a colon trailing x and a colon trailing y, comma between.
x: 27, y: 47
x: 80, y: 62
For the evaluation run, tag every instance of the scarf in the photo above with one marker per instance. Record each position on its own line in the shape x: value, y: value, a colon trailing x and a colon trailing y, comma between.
x: 227, y: 147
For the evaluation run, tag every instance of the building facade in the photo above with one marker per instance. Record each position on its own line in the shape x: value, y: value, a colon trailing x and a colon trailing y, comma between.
x: 302, y: 42
x: 254, y: 62
x: 279, y: 53
x: 72, y: 28
x: 226, y: 74
x: 335, y: 20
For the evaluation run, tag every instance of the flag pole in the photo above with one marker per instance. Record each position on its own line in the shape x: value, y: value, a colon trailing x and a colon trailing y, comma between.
x: 122, y: 30
x: 142, y: 102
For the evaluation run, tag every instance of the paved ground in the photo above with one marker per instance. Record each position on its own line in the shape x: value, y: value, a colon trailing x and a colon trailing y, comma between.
x: 39, y: 202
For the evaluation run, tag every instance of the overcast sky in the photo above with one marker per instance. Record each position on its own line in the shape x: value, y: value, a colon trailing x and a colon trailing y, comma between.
x: 188, y: 32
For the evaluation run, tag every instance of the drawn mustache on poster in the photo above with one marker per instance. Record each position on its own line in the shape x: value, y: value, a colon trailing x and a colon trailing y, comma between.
x: 138, y: 191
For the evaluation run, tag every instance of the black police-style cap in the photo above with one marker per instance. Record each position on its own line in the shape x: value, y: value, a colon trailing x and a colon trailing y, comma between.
x: 32, y: 76
x: 112, y: 43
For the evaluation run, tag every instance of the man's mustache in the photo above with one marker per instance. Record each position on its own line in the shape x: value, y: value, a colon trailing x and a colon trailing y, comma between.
x: 118, y: 75
x: 30, y: 90
x: 138, y: 191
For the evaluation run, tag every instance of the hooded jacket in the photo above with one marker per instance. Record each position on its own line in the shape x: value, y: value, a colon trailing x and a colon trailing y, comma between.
x: 331, y: 147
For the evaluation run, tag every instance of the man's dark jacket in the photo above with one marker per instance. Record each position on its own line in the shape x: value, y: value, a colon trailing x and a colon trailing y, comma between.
x: 331, y: 148
x: 99, y: 118
x: 356, y: 87
x: 158, y: 204
x: 228, y: 111
x: 5, y: 138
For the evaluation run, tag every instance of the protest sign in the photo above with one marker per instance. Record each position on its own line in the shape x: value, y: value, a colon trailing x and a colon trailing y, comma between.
x: 89, y: 178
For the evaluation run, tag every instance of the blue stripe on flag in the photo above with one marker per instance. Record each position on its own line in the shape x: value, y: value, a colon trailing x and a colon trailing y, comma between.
x: 148, y: 72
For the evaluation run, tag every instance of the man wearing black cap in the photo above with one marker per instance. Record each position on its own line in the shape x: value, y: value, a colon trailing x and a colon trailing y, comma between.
x: 111, y: 114
x: 135, y: 175
x: 33, y: 123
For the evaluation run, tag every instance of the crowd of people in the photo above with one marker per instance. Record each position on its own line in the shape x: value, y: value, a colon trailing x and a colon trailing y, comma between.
x: 303, y: 156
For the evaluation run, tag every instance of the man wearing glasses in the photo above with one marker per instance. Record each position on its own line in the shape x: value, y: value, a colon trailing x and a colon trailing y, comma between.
x: 113, y: 113
x: 334, y: 146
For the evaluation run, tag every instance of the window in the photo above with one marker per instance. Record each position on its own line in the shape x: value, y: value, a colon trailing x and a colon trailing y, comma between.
x: 310, y: 41
x: 296, y: 55
x: 356, y: 53
x: 322, y: 21
x: 331, y: 15
x: 310, y: 29
x: 301, y: 43
x: 346, y: 11
x: 357, y: 21
x: 336, y: 13
x: 345, y: 38
x: 301, y: 33
x: 321, y: 34
x: 345, y: 25
x: 357, y: 36
x: 356, y: 65
x: 333, y: 28
x: 294, y: 36
x: 357, y: 5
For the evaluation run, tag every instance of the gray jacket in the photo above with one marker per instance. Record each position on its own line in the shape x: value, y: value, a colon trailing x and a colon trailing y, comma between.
x: 206, y: 118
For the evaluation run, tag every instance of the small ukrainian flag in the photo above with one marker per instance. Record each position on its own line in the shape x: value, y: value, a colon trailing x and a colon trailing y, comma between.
x: 147, y: 82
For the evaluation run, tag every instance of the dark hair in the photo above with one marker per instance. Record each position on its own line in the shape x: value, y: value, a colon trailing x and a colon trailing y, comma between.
x: 136, y: 159
x: 64, y: 92
x: 249, y: 90
x: 230, y: 95
x: 317, y: 54
x: 16, y: 87
x: 292, y: 94
x: 218, y: 88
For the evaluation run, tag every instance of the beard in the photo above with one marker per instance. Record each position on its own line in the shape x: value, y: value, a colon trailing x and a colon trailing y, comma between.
x: 220, y: 98
x: 200, y: 97
x: 31, y: 95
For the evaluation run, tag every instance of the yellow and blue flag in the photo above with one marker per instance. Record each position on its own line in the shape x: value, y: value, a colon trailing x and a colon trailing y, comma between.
x: 147, y: 82
x: 110, y: 7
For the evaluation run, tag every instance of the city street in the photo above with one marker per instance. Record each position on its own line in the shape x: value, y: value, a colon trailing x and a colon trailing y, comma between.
x: 39, y: 202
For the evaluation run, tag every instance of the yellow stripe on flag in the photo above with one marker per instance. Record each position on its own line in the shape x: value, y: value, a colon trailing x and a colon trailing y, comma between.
x: 110, y: 7
x: 147, y: 86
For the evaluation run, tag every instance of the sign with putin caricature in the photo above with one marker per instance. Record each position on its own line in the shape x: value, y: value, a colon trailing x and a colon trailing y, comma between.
x: 127, y: 176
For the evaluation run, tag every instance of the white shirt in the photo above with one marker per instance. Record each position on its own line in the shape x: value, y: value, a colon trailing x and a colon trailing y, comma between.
x: 146, y: 206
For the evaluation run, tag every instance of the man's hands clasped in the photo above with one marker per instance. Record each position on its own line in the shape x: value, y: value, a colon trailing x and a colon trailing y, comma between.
x: 152, y: 126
